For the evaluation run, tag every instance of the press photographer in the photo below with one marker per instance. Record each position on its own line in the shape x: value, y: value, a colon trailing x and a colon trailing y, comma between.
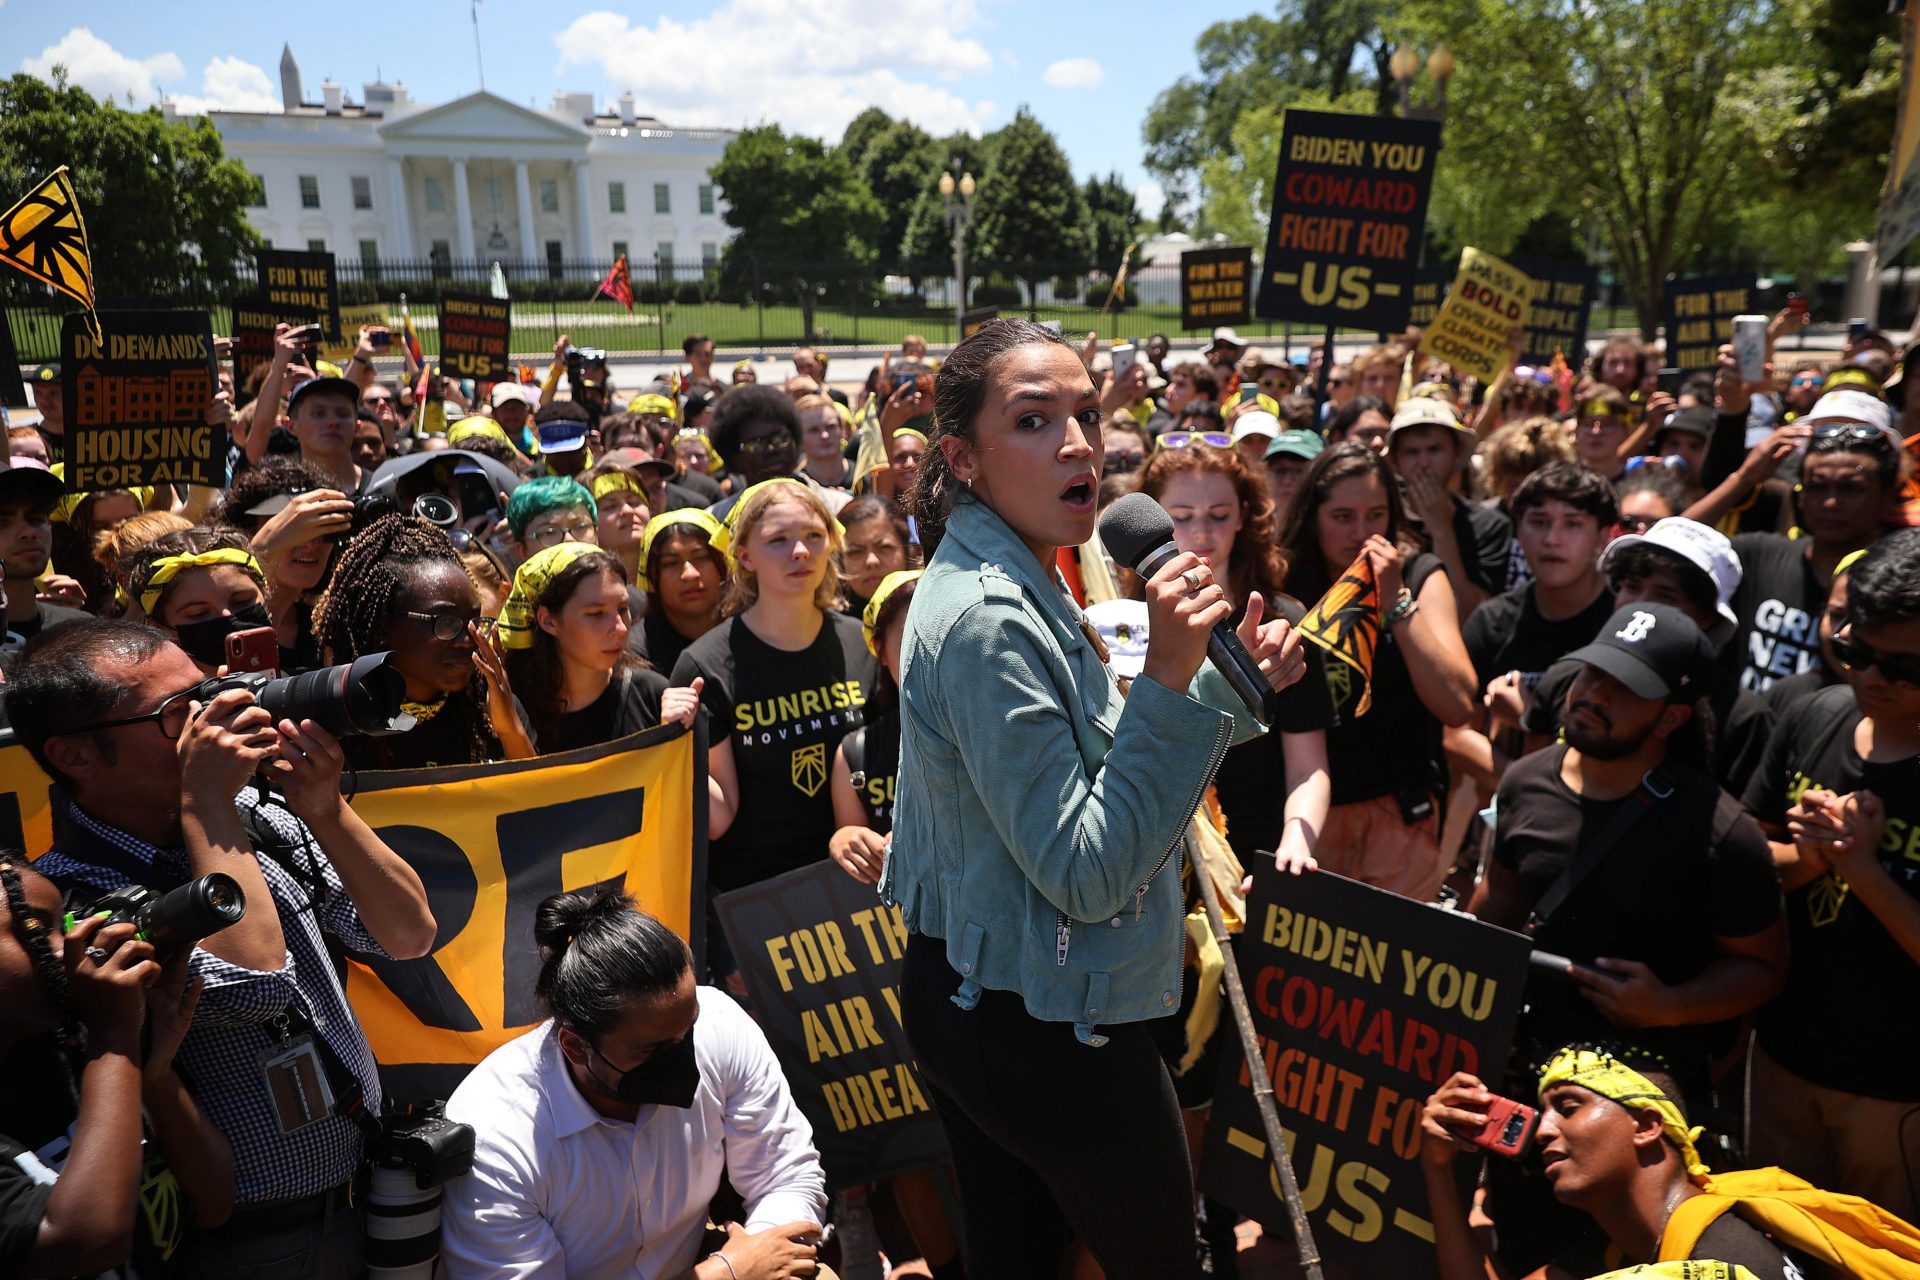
x: 161, y: 788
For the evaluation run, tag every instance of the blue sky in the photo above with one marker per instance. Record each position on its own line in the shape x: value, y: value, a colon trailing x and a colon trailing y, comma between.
x: 1087, y: 71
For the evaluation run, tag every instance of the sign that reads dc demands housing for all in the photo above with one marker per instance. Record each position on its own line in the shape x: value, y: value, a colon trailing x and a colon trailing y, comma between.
x: 474, y: 329
x: 821, y: 956
x: 1364, y: 1003
x: 137, y: 400
x: 1349, y: 218
x: 1216, y: 287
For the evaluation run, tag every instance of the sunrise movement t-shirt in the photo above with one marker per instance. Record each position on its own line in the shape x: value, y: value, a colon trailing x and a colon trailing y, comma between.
x: 1778, y: 603
x: 784, y: 712
x: 1845, y: 1018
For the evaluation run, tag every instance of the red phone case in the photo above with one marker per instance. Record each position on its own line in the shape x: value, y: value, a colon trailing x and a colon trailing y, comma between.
x: 1508, y: 1130
x: 255, y: 649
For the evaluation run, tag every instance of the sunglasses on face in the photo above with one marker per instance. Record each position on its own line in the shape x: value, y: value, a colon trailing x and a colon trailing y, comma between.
x: 1671, y: 462
x: 1858, y: 657
x: 765, y: 444
x: 1186, y: 439
x: 1636, y: 524
x: 1806, y: 382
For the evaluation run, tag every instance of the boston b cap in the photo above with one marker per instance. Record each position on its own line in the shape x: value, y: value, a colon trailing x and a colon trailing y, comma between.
x: 1652, y: 649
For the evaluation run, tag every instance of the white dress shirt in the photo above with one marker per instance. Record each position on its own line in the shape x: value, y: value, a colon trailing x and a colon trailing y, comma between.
x: 558, y: 1189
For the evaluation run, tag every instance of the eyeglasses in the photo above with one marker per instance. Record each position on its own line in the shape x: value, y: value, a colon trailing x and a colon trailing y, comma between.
x: 446, y: 626
x: 1636, y: 524
x: 171, y: 716
x: 1858, y: 657
x: 1336, y: 382
x: 555, y: 534
x: 1186, y: 439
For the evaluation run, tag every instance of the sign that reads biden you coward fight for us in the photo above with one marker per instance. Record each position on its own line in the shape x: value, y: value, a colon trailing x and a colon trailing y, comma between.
x: 1364, y: 1002
x: 1349, y: 218
x: 137, y: 400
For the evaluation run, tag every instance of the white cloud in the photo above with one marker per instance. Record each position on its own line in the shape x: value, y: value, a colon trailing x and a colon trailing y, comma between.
x: 226, y: 84
x: 729, y: 68
x: 100, y: 69
x: 1075, y: 73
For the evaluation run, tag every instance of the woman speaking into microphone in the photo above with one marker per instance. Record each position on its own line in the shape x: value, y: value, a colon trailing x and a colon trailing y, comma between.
x: 1037, y: 826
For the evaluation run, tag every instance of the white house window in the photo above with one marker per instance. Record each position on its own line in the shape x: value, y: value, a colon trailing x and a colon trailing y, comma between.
x: 706, y: 197
x: 362, y: 193
x: 436, y: 196
x: 259, y: 191
x: 664, y: 252
x: 309, y: 191
x: 662, y: 198
x: 549, y: 196
x: 709, y: 254
x: 316, y: 246
x: 619, y: 248
x: 616, y: 197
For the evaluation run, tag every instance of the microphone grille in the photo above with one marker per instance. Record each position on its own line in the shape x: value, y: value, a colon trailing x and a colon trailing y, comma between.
x: 1134, y: 525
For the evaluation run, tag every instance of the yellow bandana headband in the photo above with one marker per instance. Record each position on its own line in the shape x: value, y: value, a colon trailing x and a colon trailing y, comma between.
x: 915, y: 432
x: 517, y: 616
x: 70, y: 502
x: 1610, y: 1078
x: 870, y: 616
x: 473, y: 425
x: 1681, y: 1271
x: 1849, y: 560
x: 665, y: 521
x: 653, y: 404
x: 1852, y: 377
x: 715, y: 463
x: 616, y: 482
x: 1601, y: 409
x: 723, y: 538
x: 167, y: 568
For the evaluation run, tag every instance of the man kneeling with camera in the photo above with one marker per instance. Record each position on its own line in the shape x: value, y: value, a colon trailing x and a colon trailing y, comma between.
x: 169, y: 778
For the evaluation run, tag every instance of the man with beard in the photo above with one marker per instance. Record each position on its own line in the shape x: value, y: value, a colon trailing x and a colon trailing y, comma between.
x: 1618, y: 851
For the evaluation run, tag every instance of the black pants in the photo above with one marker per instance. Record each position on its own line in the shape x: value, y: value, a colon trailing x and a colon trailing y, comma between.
x: 1048, y: 1133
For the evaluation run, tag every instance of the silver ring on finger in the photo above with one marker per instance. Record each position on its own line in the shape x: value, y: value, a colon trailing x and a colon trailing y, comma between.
x: 1194, y: 580
x: 97, y: 954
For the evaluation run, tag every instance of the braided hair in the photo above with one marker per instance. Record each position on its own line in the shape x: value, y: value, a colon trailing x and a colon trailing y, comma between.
x: 352, y: 618
x: 32, y: 933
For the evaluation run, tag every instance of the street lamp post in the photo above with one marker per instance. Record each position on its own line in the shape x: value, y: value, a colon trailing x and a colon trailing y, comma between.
x: 959, y: 214
x: 1405, y: 65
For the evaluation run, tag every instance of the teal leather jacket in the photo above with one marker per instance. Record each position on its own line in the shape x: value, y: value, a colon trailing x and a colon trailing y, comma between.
x: 1038, y: 815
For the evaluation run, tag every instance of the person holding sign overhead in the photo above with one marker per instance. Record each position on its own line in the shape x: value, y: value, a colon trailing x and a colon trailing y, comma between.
x: 1036, y: 820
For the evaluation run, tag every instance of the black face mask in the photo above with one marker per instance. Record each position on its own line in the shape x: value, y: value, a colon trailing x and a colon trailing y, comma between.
x: 205, y: 641
x: 670, y: 1078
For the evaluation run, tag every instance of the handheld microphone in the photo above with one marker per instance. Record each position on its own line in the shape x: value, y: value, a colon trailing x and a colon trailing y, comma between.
x: 1140, y: 536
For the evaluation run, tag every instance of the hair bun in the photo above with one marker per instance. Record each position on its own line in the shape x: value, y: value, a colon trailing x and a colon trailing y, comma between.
x: 561, y: 918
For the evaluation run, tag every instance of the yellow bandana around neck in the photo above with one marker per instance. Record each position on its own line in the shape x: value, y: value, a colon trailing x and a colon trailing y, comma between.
x: 167, y: 568
x: 1607, y: 1076
x: 517, y: 616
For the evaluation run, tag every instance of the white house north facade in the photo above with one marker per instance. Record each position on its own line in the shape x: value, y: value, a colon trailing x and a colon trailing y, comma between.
x: 479, y: 178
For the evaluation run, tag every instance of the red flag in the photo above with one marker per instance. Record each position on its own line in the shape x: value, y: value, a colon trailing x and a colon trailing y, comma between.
x: 616, y: 285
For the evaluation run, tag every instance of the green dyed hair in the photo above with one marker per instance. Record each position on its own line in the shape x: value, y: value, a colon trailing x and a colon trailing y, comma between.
x: 534, y: 498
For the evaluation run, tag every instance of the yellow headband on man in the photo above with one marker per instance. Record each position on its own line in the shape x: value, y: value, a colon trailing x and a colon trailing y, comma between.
x: 616, y: 482
x: 517, y: 617
x: 1602, y: 409
x: 1607, y: 1076
x: 167, y: 568
x: 653, y: 404
x: 870, y: 616
x: 665, y: 521
x: 474, y: 425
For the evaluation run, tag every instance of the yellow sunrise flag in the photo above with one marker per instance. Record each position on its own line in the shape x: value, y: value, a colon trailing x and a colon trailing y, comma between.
x: 45, y: 237
x: 1346, y: 623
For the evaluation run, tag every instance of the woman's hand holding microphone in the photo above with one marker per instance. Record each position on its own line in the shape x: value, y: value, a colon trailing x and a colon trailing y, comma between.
x: 1184, y: 604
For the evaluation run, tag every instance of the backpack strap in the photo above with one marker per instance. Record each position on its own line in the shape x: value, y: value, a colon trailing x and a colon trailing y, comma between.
x: 1656, y: 785
x: 854, y: 747
x: 1688, y: 1222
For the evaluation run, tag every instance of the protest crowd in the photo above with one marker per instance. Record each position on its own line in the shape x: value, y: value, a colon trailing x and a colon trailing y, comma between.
x: 1630, y: 668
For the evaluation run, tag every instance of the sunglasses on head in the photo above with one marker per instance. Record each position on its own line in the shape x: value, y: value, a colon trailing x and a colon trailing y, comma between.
x: 1856, y: 656
x: 1838, y: 435
x: 1186, y: 439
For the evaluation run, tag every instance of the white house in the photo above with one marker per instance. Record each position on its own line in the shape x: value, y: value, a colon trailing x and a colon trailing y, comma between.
x: 479, y: 178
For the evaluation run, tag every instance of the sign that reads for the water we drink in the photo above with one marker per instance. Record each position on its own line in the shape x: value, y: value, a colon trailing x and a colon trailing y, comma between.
x: 137, y: 400
x: 1216, y: 287
x: 1349, y: 217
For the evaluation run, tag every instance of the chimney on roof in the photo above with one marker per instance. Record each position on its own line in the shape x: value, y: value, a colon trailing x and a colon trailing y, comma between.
x: 334, y: 95
x: 626, y: 108
x: 289, y: 80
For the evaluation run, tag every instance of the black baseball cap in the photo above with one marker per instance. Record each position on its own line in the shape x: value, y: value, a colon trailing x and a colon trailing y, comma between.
x: 1655, y: 650
x: 1695, y: 419
x: 350, y: 391
x: 48, y: 372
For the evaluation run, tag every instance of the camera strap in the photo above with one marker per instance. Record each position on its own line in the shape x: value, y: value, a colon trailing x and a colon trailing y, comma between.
x: 349, y: 1096
x: 1655, y: 785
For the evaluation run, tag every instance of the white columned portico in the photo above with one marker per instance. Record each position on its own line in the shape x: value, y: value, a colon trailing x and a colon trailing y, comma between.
x: 463, y: 210
x: 402, y: 219
x: 523, y: 193
x: 582, y: 213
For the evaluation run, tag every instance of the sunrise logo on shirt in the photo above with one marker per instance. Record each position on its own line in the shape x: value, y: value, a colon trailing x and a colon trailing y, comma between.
x: 810, y: 769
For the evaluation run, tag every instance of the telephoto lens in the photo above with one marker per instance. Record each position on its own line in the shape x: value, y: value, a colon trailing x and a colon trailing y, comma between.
x: 358, y: 697
x: 175, y: 919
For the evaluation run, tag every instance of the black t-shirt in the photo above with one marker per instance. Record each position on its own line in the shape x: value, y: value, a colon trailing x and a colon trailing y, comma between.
x: 631, y: 703
x: 446, y: 738
x: 658, y: 642
x: 873, y: 757
x: 1846, y: 1018
x: 1252, y: 781
x: 305, y: 654
x: 1394, y: 749
x: 784, y: 714
x: 1484, y: 535
x: 1778, y: 603
x: 1742, y: 720
x: 1711, y: 865
x: 702, y: 486
x: 1509, y: 633
x: 1788, y: 691
x: 45, y: 615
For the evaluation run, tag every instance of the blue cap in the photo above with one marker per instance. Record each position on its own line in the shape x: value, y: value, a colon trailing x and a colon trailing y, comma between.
x: 562, y: 435
x: 1299, y: 359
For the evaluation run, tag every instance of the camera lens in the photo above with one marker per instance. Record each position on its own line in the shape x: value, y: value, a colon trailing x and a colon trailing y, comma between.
x: 362, y: 696
x: 183, y: 916
x: 1516, y: 1125
x: 436, y: 509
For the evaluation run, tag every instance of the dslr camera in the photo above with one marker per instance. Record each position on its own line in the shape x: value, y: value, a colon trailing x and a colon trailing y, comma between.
x: 417, y: 1151
x: 358, y: 697
x: 174, y: 920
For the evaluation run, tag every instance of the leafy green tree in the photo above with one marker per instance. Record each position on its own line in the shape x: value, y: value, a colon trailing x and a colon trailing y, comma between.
x: 804, y: 220
x: 860, y: 133
x: 1030, y: 214
x: 928, y: 243
x: 164, y: 206
x: 1113, y: 220
x: 899, y: 165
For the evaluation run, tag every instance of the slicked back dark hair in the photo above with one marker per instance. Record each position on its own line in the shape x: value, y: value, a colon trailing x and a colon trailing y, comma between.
x: 597, y: 949
x: 67, y: 676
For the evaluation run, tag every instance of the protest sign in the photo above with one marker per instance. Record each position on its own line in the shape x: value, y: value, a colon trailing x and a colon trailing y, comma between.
x: 1364, y: 1003
x: 373, y: 314
x: 301, y: 283
x: 1216, y: 287
x: 1470, y: 331
x: 137, y: 399
x: 26, y: 800
x: 1430, y: 285
x: 1349, y: 219
x: 474, y: 329
x: 1699, y: 316
x: 971, y: 321
x: 1560, y: 301
x: 821, y: 956
x: 13, y: 392
x: 254, y: 318
x: 490, y: 843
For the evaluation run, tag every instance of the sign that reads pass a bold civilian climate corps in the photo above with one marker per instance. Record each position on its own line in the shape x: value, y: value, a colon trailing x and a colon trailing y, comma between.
x: 1349, y: 217
x: 137, y: 399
